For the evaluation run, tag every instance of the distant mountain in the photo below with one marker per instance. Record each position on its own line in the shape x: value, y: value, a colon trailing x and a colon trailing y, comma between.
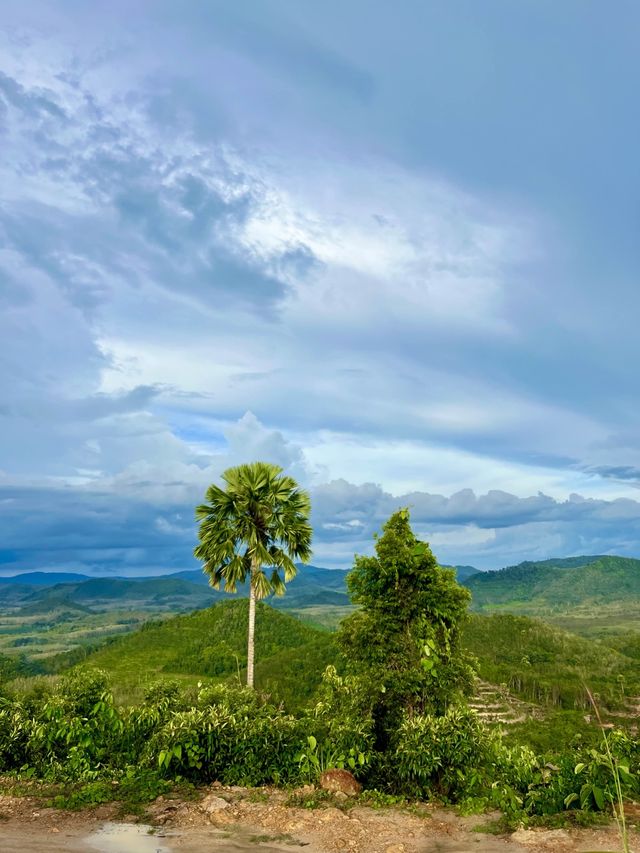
x: 97, y: 594
x: 463, y: 573
x: 187, y: 590
x: 312, y: 585
x: 530, y: 587
x: 536, y: 587
x: 44, y: 578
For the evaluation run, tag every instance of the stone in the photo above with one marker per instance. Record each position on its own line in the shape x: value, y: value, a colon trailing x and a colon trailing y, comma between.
x: 331, y: 814
x: 532, y: 837
x: 395, y: 848
x: 340, y: 780
x: 212, y: 804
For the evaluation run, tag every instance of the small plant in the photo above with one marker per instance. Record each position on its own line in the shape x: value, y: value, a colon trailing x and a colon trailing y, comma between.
x: 620, y: 774
x: 314, y: 760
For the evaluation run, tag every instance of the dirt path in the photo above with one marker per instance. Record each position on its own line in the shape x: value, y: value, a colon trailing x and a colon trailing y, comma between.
x: 238, y: 821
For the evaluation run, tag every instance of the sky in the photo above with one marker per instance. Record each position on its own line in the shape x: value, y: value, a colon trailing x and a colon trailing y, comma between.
x: 392, y: 248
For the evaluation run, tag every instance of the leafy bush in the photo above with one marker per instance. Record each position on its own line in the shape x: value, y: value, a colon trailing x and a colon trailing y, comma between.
x: 341, y: 720
x: 433, y: 755
x: 232, y: 736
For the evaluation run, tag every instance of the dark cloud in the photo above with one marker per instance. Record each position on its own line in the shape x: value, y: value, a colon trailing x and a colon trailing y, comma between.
x: 117, y: 530
x: 617, y: 472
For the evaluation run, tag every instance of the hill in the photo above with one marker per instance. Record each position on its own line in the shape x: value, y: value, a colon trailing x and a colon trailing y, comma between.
x: 212, y: 643
x: 42, y: 578
x: 188, y: 590
x: 463, y: 573
x: 548, y: 666
x: 557, y: 585
x: 312, y: 585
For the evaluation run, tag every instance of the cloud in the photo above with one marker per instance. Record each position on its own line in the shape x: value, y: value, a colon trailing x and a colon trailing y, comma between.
x: 228, y: 235
x: 138, y: 523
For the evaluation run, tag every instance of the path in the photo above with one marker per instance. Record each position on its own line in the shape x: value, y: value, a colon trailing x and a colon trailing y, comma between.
x: 237, y: 820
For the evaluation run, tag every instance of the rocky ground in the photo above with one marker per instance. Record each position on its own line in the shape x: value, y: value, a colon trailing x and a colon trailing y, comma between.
x: 240, y: 819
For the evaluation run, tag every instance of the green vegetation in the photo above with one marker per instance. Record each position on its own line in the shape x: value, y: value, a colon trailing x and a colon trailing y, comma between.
x: 212, y: 643
x: 547, y: 666
x: 260, y: 519
x: 553, y: 586
x: 404, y: 640
x: 386, y: 696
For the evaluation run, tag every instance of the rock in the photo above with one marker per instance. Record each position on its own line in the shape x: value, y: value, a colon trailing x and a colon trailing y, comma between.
x: 542, y: 836
x: 340, y: 780
x: 212, y: 804
x: 395, y: 848
x: 305, y: 789
x: 340, y: 796
x: 331, y: 814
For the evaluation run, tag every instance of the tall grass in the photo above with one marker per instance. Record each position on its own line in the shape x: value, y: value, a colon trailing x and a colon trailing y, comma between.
x: 617, y: 803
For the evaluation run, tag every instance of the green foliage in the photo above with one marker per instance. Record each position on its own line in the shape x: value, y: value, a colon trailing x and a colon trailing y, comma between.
x: 405, y: 639
x: 526, y: 787
x: 232, y: 736
x: 434, y: 755
x: 554, y: 733
x: 294, y: 675
x: 193, y: 646
x: 546, y: 665
x: 259, y: 519
x: 342, y: 717
x: 314, y: 759
x: 553, y: 585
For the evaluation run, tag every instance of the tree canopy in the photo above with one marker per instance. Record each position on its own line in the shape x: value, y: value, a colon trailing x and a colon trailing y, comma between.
x: 406, y: 635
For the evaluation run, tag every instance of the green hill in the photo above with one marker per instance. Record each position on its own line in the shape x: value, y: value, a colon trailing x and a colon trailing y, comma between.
x: 547, y: 665
x: 557, y: 585
x: 290, y: 655
x: 186, y: 590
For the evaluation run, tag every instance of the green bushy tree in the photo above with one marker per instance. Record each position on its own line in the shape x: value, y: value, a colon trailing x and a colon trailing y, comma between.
x: 406, y: 635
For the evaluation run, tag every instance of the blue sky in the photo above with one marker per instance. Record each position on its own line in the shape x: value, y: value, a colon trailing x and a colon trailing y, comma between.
x: 393, y: 248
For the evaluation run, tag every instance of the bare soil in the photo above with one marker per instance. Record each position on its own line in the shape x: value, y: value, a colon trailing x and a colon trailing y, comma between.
x: 241, y: 820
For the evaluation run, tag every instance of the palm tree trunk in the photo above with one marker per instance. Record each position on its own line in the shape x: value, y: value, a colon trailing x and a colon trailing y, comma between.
x: 252, y: 625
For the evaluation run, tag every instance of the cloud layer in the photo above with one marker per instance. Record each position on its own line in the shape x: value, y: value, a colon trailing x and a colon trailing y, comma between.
x: 228, y: 235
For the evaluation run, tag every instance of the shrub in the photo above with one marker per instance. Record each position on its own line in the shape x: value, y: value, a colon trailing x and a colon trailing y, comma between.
x: 434, y: 755
x: 232, y: 736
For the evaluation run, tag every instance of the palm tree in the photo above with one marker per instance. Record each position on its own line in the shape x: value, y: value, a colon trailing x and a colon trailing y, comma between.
x: 260, y: 519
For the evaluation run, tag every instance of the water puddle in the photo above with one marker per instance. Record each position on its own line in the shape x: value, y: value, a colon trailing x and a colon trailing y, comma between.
x: 126, y: 838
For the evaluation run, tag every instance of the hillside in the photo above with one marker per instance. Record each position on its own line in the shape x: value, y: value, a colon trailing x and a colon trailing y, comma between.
x: 188, y: 590
x: 549, y: 666
x: 212, y: 643
x: 535, y: 661
x: 557, y: 585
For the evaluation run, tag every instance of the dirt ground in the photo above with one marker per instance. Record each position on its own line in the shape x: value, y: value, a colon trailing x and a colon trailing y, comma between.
x: 240, y: 820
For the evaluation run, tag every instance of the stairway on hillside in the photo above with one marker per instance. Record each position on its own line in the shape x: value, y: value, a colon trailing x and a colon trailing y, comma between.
x: 495, y: 704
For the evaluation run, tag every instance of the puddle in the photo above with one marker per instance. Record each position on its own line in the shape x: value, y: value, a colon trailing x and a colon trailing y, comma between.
x: 126, y: 838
